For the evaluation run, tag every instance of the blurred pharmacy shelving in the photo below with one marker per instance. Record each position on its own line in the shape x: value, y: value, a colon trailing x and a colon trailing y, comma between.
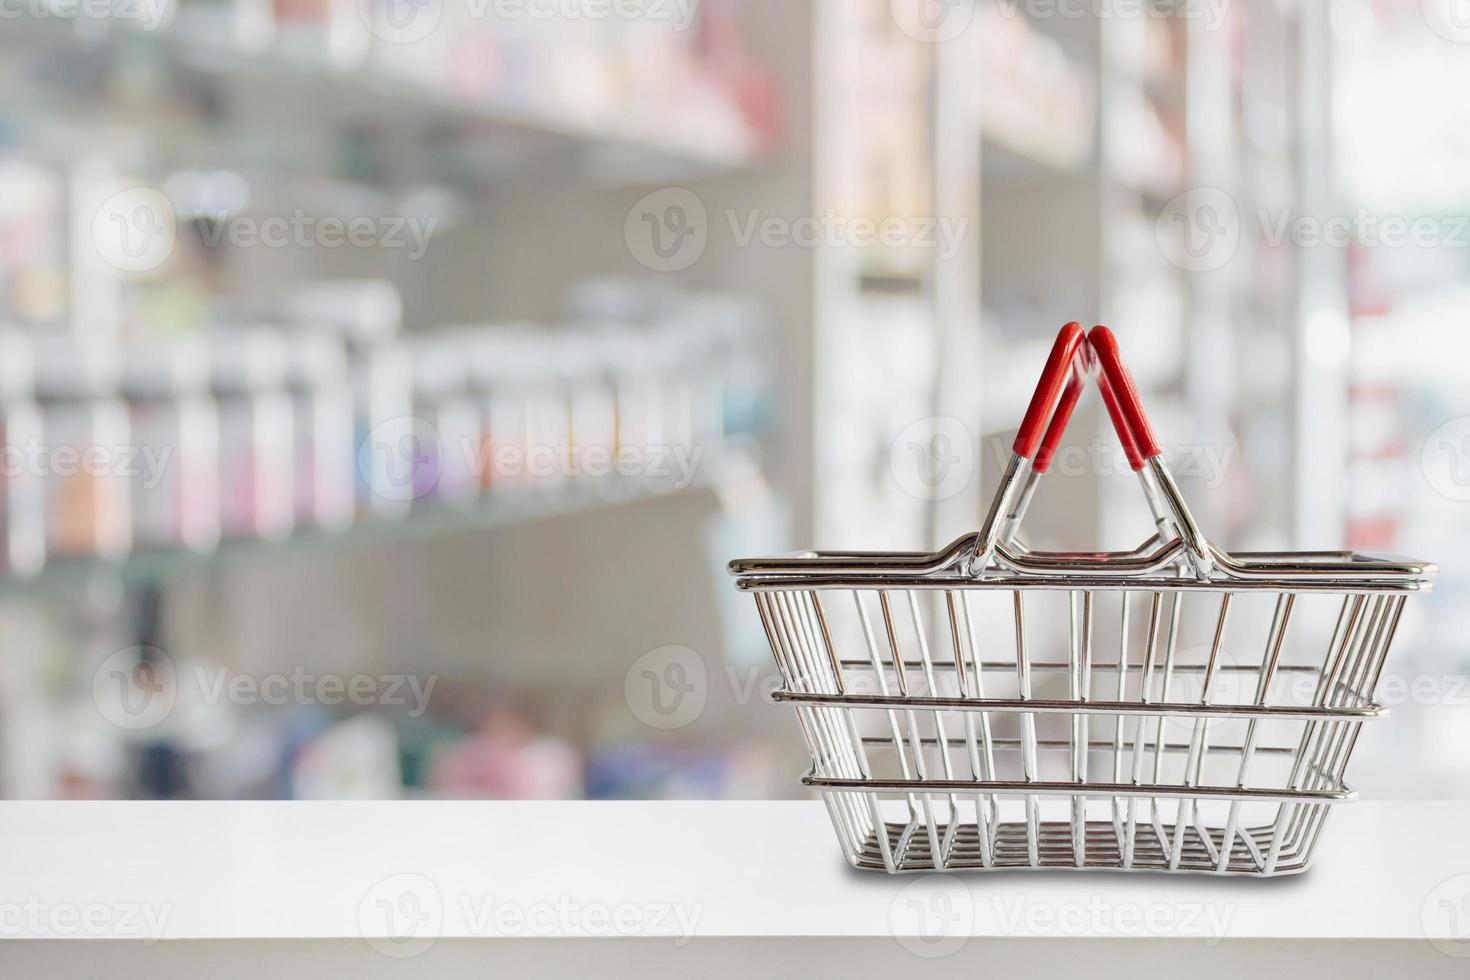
x: 1058, y: 148
x: 1402, y: 149
x: 635, y: 138
x: 488, y: 128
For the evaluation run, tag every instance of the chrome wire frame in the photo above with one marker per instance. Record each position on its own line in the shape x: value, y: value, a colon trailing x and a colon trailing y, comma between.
x: 935, y: 749
x: 919, y: 780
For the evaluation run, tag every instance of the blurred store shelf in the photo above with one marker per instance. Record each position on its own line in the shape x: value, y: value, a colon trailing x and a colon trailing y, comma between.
x: 153, y: 567
x: 613, y: 145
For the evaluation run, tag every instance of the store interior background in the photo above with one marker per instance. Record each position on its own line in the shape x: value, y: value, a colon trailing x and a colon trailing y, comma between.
x: 1159, y: 169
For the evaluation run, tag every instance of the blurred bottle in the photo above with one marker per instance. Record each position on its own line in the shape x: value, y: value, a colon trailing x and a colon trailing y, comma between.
x: 257, y: 446
x: 368, y: 314
x: 528, y: 412
x: 507, y: 759
x: 388, y: 450
x: 85, y: 449
x: 584, y: 365
x: 355, y: 759
x: 322, y: 408
x: 175, y: 427
x: 444, y: 402
x: 22, y: 484
x: 332, y: 31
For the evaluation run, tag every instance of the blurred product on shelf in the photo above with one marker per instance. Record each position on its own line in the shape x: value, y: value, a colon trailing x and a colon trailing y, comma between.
x: 323, y: 416
x: 175, y: 428
x: 473, y: 742
x: 529, y: 426
x: 24, y: 492
x: 636, y: 770
x: 444, y: 403
x: 364, y: 311
x: 383, y: 373
x: 331, y: 416
x: 719, y: 339
x: 1037, y: 102
x: 256, y: 439
x: 354, y: 759
x: 586, y: 367
x: 33, y: 256
x: 681, y: 77
x: 505, y: 757
x: 86, y: 443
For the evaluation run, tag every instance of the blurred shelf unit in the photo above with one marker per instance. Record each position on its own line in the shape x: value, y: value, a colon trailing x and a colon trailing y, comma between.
x: 349, y: 101
x: 615, y: 101
x: 1039, y: 207
x: 874, y: 327
x: 1041, y: 234
x: 281, y: 404
x: 155, y: 567
x: 1038, y: 105
x: 1144, y: 163
x: 1068, y: 221
x: 326, y: 427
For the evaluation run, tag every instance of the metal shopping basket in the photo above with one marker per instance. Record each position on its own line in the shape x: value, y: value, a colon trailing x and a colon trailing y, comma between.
x: 961, y: 713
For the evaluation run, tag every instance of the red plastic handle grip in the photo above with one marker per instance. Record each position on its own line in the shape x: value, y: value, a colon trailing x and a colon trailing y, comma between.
x: 1120, y: 395
x: 1059, y: 420
x: 1048, y: 397
x: 1120, y: 424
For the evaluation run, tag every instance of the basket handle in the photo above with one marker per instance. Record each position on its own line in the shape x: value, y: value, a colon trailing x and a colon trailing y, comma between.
x: 1053, y: 400
x: 1144, y: 453
x: 1073, y: 358
x: 1120, y: 396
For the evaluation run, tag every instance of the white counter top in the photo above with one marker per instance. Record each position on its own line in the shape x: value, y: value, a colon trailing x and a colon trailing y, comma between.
x: 401, y: 880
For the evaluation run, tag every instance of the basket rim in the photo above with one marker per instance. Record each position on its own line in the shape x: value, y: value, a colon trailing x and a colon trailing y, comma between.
x: 1137, y: 570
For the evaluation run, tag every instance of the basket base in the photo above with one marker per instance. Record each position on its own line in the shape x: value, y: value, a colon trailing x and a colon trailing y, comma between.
x: 912, y: 853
